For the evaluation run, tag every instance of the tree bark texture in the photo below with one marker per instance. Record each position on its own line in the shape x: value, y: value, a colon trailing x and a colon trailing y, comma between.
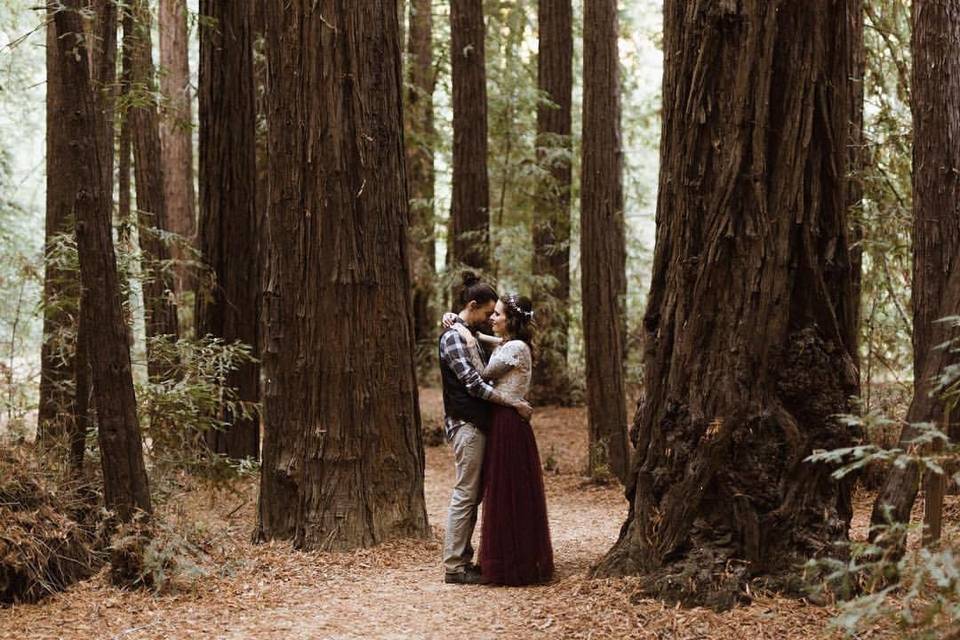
x: 124, y: 474
x: 603, y: 243
x: 342, y: 457
x: 160, y: 308
x: 228, y: 214
x: 176, y: 129
x: 749, y: 335
x: 56, y: 406
x: 936, y: 228
x: 470, y: 205
x: 62, y: 411
x: 420, y: 139
x: 551, y: 229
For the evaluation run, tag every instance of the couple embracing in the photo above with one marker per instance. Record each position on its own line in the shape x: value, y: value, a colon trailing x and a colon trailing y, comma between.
x: 495, y: 452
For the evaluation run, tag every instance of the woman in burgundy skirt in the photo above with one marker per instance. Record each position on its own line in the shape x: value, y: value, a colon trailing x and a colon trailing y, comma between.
x: 515, y: 544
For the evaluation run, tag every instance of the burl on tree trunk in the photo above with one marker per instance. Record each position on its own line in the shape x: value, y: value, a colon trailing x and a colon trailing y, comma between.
x: 749, y: 330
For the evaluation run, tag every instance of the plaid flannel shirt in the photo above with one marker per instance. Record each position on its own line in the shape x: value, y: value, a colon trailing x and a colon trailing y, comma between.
x: 454, y: 352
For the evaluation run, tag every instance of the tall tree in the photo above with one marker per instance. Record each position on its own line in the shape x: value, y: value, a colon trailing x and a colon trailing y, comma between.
x: 158, y: 288
x: 749, y: 333
x: 176, y: 133
x: 420, y: 139
x: 551, y: 230
x: 603, y: 243
x: 56, y: 405
x: 228, y: 214
x: 470, y: 205
x: 65, y: 411
x: 342, y: 456
x: 936, y: 228
x: 89, y: 128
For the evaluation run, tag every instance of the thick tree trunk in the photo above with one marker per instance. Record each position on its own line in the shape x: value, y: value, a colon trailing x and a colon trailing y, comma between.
x: 124, y: 474
x: 420, y: 139
x: 469, y: 239
x: 936, y: 228
x: 603, y: 244
x: 342, y: 457
x: 749, y: 329
x: 60, y: 317
x: 160, y: 308
x: 176, y: 129
x: 551, y: 230
x: 228, y: 215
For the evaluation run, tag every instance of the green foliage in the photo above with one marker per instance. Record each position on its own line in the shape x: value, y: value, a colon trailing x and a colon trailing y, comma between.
x: 152, y: 554
x: 21, y: 277
x: 918, y: 591
x: 885, y: 218
x: 178, y: 411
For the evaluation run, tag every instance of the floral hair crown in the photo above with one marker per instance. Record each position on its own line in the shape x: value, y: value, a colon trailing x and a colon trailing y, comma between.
x: 515, y: 307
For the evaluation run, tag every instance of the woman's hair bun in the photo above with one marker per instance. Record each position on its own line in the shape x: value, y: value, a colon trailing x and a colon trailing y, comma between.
x: 469, y: 278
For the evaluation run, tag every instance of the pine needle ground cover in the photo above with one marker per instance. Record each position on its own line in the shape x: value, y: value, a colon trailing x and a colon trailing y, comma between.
x: 271, y: 591
x: 51, y: 532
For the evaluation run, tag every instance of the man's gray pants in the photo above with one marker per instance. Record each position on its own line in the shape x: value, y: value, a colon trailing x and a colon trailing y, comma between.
x: 468, y: 443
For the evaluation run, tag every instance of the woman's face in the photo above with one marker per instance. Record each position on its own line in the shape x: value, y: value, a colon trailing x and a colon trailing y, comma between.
x: 499, y: 320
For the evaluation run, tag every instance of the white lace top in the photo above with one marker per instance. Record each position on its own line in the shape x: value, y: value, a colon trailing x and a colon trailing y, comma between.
x: 510, y: 366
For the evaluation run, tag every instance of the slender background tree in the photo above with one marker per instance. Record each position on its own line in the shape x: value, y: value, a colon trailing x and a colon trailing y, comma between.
x: 551, y: 227
x: 124, y: 473
x: 176, y: 131
x: 158, y: 284
x: 603, y: 244
x: 420, y: 140
x: 936, y: 231
x: 60, y: 319
x: 228, y: 217
x: 469, y: 238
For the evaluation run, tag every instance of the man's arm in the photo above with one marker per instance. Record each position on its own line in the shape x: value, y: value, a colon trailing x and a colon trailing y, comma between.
x: 455, y: 354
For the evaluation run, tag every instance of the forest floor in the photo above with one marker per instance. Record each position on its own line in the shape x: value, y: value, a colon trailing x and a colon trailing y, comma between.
x: 396, y: 591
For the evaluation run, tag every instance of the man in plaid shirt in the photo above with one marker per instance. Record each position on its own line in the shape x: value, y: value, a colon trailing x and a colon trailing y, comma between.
x: 465, y: 401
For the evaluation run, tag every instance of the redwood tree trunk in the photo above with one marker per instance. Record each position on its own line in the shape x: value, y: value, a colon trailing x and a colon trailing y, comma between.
x: 228, y: 215
x: 158, y: 288
x: 420, y: 138
x: 64, y: 413
x: 176, y: 132
x: 342, y: 457
x: 936, y: 227
x: 124, y: 474
x: 749, y: 334
x: 551, y: 230
x: 469, y: 240
x: 603, y: 244
x: 60, y: 317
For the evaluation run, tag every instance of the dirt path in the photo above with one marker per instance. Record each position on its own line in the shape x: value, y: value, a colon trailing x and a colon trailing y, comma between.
x: 396, y: 591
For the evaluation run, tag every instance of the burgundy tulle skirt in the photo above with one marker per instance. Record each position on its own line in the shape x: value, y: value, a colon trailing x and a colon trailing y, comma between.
x: 515, y: 544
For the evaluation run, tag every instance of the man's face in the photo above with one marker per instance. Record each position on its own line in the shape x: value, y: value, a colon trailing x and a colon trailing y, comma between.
x: 478, y: 315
